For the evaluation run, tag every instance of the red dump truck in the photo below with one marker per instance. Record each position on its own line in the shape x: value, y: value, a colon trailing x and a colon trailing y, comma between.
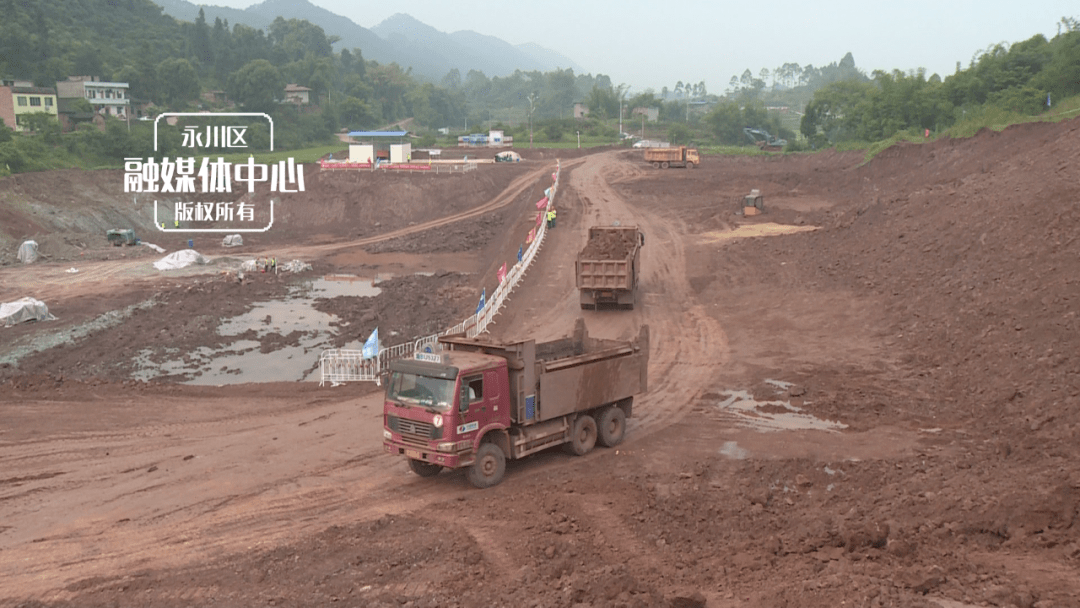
x: 607, y: 268
x: 478, y: 403
x: 662, y: 158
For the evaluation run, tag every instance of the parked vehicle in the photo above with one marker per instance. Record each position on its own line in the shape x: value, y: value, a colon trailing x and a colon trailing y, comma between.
x: 662, y: 158
x: 607, y: 268
x: 121, y: 236
x: 478, y: 403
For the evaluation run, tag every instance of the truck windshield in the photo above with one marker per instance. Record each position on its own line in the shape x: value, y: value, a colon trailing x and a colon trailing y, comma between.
x: 437, y: 393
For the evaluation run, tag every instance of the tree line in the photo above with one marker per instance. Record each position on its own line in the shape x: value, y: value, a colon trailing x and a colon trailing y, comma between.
x: 1023, y: 78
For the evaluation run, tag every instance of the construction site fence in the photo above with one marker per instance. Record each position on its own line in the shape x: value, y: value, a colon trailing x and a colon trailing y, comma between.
x: 338, y: 366
x: 436, y: 167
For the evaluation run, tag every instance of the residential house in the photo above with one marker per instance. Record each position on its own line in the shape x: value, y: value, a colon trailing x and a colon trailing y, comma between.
x: 297, y: 94
x: 107, y: 98
x: 19, y: 98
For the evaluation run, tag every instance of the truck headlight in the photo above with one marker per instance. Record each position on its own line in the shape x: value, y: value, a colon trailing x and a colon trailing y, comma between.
x: 446, y: 446
x: 387, y: 435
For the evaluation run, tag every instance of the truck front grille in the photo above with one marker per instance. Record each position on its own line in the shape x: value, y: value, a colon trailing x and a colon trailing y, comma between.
x: 414, y: 431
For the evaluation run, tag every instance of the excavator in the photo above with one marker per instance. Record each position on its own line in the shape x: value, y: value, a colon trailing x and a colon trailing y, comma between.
x: 764, y: 140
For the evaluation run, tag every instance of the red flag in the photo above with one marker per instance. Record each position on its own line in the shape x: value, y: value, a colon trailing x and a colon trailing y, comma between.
x: 540, y: 204
x: 554, y: 176
x: 539, y: 218
x: 532, y: 235
x: 502, y: 273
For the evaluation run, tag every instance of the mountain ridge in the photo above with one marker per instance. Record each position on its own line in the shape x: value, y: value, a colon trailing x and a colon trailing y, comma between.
x: 400, y: 38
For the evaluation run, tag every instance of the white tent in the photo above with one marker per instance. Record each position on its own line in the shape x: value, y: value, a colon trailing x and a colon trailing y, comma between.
x: 181, y: 259
x: 26, y: 309
x: 28, y: 252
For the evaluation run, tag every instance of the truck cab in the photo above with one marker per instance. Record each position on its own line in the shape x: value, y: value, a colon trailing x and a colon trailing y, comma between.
x: 438, y: 406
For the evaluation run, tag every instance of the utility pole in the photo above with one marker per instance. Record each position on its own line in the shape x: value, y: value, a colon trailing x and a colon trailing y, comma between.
x: 532, y: 102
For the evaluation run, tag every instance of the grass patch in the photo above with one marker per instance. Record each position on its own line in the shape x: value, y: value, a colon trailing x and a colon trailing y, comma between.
x: 721, y: 150
x: 991, y: 117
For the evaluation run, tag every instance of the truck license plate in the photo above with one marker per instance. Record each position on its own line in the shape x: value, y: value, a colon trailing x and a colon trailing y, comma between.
x: 413, y: 454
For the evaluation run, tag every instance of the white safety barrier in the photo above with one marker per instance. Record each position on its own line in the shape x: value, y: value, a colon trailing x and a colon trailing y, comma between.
x: 342, y: 365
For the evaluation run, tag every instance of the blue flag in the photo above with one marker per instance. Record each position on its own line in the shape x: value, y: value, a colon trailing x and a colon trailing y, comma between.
x: 520, y: 251
x: 371, y: 347
x: 481, y: 306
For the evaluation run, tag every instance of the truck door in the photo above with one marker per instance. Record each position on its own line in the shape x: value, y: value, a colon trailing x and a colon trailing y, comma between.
x: 479, y: 403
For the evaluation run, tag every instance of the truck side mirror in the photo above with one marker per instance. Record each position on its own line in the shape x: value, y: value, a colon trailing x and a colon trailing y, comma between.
x: 463, y: 398
x: 642, y: 235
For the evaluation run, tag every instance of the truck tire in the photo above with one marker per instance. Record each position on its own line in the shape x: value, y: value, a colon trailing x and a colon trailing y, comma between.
x: 424, y: 469
x: 582, y: 436
x: 489, y: 467
x: 664, y: 165
x: 612, y: 426
x: 656, y: 164
x: 689, y: 165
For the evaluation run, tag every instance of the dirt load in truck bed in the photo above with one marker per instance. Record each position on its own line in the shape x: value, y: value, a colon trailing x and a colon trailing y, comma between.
x: 609, y: 245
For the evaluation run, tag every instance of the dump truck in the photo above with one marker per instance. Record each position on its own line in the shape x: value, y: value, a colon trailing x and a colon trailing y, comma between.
x: 607, y: 268
x: 662, y: 158
x: 478, y: 402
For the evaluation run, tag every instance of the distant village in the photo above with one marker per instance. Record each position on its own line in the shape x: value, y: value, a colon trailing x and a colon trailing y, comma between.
x: 20, y: 98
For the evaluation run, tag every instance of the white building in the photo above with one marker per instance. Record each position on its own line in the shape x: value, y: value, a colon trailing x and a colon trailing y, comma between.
x: 107, y: 98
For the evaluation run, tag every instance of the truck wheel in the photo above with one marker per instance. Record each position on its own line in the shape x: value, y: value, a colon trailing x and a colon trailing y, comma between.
x: 424, y: 469
x: 583, y: 436
x: 656, y: 164
x: 612, y: 425
x: 689, y: 165
x: 489, y: 467
x: 664, y: 165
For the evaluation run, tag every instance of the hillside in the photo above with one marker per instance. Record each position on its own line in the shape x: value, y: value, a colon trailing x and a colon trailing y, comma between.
x: 400, y: 39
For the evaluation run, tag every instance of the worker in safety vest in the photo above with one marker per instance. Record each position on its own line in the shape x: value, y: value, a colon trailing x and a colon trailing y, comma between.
x: 551, y: 218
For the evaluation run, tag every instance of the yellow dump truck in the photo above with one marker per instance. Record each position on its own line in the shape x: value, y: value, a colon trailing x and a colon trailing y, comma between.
x: 662, y: 158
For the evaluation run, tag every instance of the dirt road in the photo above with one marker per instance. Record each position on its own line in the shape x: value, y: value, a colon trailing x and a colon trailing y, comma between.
x: 806, y: 439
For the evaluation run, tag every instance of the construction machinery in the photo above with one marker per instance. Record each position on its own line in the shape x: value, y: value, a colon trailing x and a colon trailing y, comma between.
x: 764, y: 140
x: 478, y: 402
x: 121, y: 236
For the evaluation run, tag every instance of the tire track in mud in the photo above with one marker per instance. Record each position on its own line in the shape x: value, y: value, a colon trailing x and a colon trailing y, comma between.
x: 686, y: 345
x: 333, y: 483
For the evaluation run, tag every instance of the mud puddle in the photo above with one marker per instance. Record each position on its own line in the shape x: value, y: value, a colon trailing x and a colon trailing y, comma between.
x: 276, y: 341
x: 741, y: 408
x: 754, y: 230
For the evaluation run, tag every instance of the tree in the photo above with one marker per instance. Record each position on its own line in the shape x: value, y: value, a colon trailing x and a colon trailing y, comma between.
x: 200, y: 40
x: 725, y: 121
x: 452, y: 80
x: 179, y: 84
x: 257, y: 85
x: 602, y: 102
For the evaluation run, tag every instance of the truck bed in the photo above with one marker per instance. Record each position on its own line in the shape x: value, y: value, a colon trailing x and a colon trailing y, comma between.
x: 606, y: 262
x: 663, y: 154
x: 572, y: 374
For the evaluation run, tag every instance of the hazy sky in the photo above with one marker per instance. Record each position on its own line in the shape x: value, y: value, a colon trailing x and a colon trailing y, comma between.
x: 656, y: 44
